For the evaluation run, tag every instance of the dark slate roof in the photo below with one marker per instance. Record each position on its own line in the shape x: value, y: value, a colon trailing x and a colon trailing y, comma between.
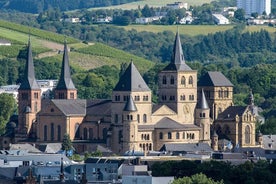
x: 202, y: 103
x: 177, y: 61
x: 214, y: 79
x: 231, y: 112
x: 131, y: 80
x: 167, y: 123
x: 98, y: 107
x: 187, y: 147
x: 65, y: 81
x: 71, y: 107
x: 29, y: 81
x: 155, y: 107
x: 130, y: 105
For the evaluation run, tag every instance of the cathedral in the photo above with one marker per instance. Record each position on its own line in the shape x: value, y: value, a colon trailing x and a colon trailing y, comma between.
x: 189, y: 110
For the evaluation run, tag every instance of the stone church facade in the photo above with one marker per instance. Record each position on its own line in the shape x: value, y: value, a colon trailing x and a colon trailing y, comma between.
x: 188, y: 110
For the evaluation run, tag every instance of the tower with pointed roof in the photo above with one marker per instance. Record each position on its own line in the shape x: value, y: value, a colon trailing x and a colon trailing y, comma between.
x: 178, y: 85
x: 202, y: 117
x: 130, y: 126
x: 29, y: 98
x: 65, y: 88
x: 130, y: 85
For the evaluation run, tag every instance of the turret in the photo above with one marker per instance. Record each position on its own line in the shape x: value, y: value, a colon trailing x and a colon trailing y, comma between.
x: 130, y: 126
x: 202, y: 118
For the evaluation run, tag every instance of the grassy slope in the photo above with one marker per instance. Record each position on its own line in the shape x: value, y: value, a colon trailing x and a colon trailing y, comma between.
x: 193, y: 30
x: 84, y: 61
x: 155, y: 3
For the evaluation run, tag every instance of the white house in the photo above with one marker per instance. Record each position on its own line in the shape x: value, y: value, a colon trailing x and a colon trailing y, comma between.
x: 220, y: 19
x: 5, y: 42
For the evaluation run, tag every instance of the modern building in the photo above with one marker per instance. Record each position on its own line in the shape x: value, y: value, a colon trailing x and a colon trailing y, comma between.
x: 187, y: 111
x: 220, y: 19
x: 255, y: 6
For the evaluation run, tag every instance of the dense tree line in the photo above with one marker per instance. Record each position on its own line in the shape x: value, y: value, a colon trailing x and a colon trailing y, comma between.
x: 248, y: 172
x: 37, y: 6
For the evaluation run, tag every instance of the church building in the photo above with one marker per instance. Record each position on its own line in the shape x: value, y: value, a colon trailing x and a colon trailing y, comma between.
x: 188, y: 110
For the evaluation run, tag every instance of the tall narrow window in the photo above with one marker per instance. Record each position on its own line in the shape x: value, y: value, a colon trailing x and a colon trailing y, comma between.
x: 160, y: 135
x: 177, y: 135
x: 77, y: 130
x: 85, y: 133
x: 164, y: 80
x: 59, y: 133
x: 191, y: 80
x: 172, y: 80
x: 36, y: 95
x: 144, y: 118
x: 52, y: 132
x: 138, y: 118
x: 45, y: 132
x: 183, y: 80
x: 247, y: 135
x: 90, y: 133
x: 169, y: 135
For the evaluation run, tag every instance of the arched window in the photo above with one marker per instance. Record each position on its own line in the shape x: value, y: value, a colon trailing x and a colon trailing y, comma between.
x: 59, y: 133
x: 177, y: 135
x: 104, y: 133
x: 116, y: 118
x: 52, y: 132
x: 191, y: 80
x: 90, y: 133
x: 160, y: 135
x: 172, y: 80
x: 169, y: 135
x: 182, y: 97
x: 45, y: 132
x: 85, y: 133
x: 183, y: 80
x: 247, y: 135
x: 183, y: 135
x: 148, y: 137
x: 150, y: 147
x: 144, y: 118
x: 164, y: 80
x: 77, y: 130
x: 142, y: 136
x: 138, y: 118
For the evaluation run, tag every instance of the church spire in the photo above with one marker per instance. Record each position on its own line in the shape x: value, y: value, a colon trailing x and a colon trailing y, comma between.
x: 177, y: 60
x: 65, y: 82
x: 29, y: 81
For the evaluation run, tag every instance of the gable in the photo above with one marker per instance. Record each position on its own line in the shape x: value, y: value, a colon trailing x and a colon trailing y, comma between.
x: 163, y: 111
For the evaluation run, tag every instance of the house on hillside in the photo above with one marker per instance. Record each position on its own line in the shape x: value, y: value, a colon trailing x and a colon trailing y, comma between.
x: 4, y: 42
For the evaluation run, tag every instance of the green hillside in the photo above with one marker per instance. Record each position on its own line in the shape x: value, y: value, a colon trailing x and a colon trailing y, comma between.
x: 46, y: 46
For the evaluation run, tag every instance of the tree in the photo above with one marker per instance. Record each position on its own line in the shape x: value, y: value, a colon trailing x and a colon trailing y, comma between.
x: 239, y: 14
x: 196, y: 179
x: 67, y: 145
x: 7, y: 108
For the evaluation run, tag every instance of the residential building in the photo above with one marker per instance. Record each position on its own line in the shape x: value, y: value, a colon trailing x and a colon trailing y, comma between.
x: 220, y: 19
x: 178, y: 5
x: 255, y: 6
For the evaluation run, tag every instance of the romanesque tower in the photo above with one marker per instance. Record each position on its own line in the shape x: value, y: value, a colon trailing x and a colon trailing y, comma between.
x: 130, y: 85
x: 130, y: 126
x: 29, y: 99
x: 202, y: 118
x: 178, y: 85
x: 65, y: 88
